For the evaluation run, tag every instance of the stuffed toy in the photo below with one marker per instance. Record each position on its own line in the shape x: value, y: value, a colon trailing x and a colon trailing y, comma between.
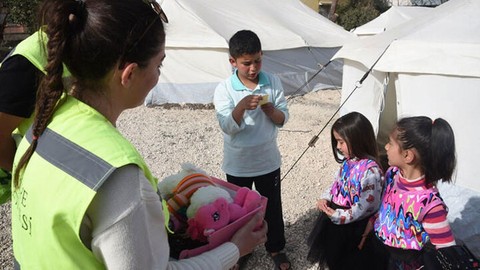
x: 247, y: 199
x: 169, y: 183
x: 198, y: 207
x: 210, y: 217
x: 204, y: 196
x: 177, y: 190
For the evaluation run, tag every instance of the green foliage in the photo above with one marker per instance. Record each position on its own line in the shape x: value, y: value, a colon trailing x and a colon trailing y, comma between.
x: 22, y: 12
x: 353, y: 13
x: 353, y: 18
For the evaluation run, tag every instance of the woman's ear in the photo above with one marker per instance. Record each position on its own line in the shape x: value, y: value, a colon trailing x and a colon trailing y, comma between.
x: 128, y: 74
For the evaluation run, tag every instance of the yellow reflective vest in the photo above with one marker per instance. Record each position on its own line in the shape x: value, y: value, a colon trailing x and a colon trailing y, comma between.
x: 78, y: 151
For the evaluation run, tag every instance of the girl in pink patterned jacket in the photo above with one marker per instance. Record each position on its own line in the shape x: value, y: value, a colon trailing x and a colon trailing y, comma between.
x: 420, y: 153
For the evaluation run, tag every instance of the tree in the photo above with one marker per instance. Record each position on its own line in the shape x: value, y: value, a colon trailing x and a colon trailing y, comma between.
x: 353, y: 13
x: 22, y: 12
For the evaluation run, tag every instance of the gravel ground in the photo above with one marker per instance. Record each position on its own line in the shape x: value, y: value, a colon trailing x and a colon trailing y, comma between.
x: 167, y: 136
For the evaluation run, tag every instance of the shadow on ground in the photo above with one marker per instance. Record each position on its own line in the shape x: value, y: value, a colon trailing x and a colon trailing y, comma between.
x: 296, y: 234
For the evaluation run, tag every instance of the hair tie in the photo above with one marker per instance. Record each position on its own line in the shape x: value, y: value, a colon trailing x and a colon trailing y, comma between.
x: 77, y: 12
x: 35, y: 138
x: 71, y: 18
x: 81, y: 4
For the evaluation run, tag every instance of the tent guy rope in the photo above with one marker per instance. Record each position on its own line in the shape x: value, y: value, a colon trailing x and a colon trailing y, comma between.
x: 308, y: 81
x: 312, y: 142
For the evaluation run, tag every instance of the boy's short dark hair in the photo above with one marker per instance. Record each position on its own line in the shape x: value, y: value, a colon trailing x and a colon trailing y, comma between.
x: 244, y: 42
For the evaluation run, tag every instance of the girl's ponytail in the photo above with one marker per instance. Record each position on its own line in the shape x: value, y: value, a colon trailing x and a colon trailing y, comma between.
x: 442, y: 152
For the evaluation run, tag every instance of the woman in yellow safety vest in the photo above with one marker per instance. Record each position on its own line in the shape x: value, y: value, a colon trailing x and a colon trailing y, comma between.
x: 82, y: 196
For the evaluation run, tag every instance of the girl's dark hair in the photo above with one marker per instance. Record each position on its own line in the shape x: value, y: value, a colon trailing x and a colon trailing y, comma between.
x: 357, y: 131
x: 434, y: 142
x: 244, y: 42
x: 91, y: 37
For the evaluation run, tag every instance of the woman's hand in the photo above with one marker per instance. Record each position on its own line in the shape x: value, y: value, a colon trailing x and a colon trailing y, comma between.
x: 251, y: 235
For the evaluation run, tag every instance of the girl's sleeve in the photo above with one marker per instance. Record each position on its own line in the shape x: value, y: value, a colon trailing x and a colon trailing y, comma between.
x: 436, y: 225
x: 368, y: 202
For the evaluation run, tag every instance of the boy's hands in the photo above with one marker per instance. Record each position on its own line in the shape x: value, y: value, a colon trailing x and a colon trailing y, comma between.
x: 250, y: 102
x: 268, y: 109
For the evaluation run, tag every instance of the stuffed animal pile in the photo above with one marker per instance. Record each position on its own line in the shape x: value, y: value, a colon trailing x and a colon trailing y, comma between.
x: 198, y: 207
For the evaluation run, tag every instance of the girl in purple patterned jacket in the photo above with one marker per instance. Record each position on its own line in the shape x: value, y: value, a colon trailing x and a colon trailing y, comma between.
x: 352, y: 199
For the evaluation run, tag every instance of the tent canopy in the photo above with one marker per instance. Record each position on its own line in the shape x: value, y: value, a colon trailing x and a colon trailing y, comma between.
x: 394, y: 16
x: 443, y: 41
x: 285, y: 24
x: 296, y: 42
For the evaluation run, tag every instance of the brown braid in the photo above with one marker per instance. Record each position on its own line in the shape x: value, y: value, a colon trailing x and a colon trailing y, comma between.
x: 49, y: 92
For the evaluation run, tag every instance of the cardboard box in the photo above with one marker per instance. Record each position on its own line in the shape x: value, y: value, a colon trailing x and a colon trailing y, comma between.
x: 225, y: 234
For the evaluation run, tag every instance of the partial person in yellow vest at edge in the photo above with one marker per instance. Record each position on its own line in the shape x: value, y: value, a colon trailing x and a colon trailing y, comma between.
x: 20, y: 72
x: 82, y: 196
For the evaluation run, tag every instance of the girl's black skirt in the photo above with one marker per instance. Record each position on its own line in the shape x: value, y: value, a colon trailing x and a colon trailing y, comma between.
x: 336, y: 246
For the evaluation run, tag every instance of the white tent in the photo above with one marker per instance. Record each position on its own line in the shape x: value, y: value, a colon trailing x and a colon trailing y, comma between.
x: 394, y: 16
x: 431, y: 66
x: 296, y: 42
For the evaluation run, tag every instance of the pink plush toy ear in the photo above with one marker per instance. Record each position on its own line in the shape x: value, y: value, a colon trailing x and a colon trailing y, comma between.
x: 247, y: 199
x: 236, y: 211
x: 252, y: 201
x: 208, y: 219
x: 241, y: 195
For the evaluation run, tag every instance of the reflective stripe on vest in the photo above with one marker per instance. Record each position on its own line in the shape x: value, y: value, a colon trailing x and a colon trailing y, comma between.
x: 89, y: 165
x: 16, y: 266
x: 72, y: 159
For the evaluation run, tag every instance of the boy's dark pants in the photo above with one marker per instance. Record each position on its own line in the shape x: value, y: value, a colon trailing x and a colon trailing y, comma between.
x: 268, y: 185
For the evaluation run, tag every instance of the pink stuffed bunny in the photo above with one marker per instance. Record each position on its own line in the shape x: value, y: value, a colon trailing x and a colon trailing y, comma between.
x: 208, y: 219
x: 220, y: 213
x: 247, y: 199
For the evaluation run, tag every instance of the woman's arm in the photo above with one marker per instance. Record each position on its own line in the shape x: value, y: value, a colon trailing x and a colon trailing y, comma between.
x: 127, y: 228
x: 18, y: 88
